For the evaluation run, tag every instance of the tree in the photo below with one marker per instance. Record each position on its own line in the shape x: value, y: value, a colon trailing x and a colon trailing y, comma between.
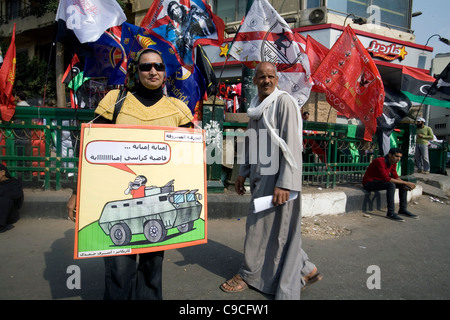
x: 30, y: 78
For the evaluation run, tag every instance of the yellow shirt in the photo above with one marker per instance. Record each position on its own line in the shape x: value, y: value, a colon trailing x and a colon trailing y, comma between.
x: 167, y: 112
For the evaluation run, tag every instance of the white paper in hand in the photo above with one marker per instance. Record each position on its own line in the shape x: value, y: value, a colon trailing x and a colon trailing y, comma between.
x: 264, y: 203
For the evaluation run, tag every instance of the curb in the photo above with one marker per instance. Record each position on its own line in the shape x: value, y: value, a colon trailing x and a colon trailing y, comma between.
x: 227, y: 205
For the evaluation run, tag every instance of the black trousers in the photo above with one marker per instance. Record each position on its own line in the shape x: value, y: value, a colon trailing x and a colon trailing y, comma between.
x: 390, y: 192
x: 9, y: 213
x: 126, y: 279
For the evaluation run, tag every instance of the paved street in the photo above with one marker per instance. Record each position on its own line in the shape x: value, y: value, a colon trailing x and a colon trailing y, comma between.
x: 412, y: 257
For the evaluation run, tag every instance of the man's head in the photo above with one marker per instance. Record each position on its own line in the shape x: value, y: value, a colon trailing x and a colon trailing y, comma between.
x: 305, y: 115
x: 420, y: 122
x: 394, y: 155
x: 265, y: 79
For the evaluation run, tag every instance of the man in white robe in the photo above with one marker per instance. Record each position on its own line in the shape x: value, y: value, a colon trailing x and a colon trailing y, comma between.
x: 274, y: 261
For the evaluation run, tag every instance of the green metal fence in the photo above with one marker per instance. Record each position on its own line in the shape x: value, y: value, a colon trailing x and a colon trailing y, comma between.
x: 40, y: 146
x: 332, y: 154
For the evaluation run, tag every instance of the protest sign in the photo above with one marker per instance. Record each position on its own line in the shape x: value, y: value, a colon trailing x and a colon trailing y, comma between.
x: 140, y: 189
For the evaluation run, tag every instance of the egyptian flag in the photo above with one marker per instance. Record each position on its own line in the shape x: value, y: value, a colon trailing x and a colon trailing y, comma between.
x: 7, y: 77
x: 423, y: 88
x: 352, y: 82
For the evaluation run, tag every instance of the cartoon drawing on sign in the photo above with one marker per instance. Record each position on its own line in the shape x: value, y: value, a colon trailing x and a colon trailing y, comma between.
x: 160, y: 209
x: 137, y: 187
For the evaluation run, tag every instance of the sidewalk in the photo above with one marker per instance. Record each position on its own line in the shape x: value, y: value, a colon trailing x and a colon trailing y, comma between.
x: 315, y: 201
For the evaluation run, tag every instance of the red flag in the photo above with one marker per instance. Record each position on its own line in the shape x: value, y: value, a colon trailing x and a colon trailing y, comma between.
x: 316, y: 52
x: 351, y: 81
x: 7, y: 76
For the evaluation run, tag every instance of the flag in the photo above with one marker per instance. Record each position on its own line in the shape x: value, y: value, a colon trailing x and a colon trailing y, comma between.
x: 184, y: 24
x: 423, y: 88
x: 109, y: 59
x: 76, y: 81
x: 7, y: 77
x: 265, y: 36
x: 395, y: 107
x: 135, y: 38
x: 72, y: 70
x: 205, y: 68
x: 89, y: 19
x: 351, y: 81
x: 442, y: 87
x: 187, y: 86
x: 316, y: 52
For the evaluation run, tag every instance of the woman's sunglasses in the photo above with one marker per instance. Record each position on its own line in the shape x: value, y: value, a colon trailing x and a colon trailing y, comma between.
x: 148, y: 66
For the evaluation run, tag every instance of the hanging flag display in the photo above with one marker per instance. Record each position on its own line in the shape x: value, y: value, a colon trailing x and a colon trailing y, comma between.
x: 184, y: 24
x: 351, y: 81
x: 265, y: 36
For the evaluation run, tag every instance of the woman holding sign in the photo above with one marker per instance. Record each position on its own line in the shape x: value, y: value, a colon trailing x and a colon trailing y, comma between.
x: 142, y: 103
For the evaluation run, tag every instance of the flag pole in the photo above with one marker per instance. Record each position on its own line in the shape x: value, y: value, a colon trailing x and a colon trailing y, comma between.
x: 226, y: 59
x: 48, y: 69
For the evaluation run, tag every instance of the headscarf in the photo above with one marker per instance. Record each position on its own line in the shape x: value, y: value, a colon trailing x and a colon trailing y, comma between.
x: 132, y: 78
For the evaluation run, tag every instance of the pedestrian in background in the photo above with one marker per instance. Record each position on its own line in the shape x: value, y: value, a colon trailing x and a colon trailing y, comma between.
x: 424, y: 135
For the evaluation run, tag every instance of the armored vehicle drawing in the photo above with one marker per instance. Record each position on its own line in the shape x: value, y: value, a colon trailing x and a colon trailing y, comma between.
x: 154, y: 214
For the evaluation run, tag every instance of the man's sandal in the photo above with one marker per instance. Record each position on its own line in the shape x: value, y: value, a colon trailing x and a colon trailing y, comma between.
x: 235, y: 284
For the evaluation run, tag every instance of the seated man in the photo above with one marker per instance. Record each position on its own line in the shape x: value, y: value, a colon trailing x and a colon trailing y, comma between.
x: 382, y: 175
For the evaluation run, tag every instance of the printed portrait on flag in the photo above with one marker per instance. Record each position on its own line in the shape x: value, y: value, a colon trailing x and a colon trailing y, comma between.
x: 184, y: 24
